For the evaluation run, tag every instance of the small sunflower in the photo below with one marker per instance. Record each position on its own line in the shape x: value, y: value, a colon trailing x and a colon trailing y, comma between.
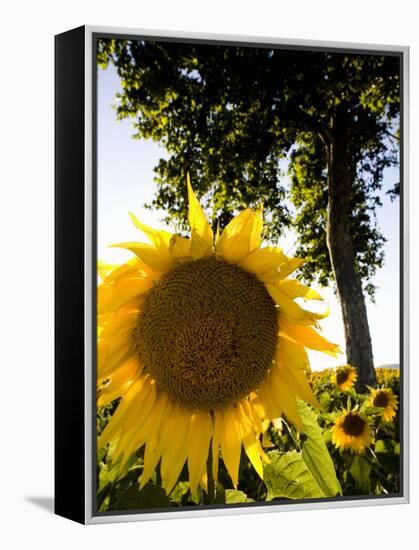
x: 344, y: 377
x: 203, y: 343
x: 386, y: 399
x: 351, y: 431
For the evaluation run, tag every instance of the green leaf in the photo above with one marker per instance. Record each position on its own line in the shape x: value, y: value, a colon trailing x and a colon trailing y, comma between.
x: 287, y: 476
x: 324, y: 399
x: 315, y: 453
x: 371, y: 410
x: 384, y: 446
x: 233, y: 497
x: 360, y: 470
x: 181, y: 488
x: 150, y: 496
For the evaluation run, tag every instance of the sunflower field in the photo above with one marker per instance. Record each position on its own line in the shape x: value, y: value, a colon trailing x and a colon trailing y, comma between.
x: 317, y: 461
x: 205, y: 394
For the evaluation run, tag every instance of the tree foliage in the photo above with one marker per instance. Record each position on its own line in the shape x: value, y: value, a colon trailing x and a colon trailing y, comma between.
x: 234, y: 116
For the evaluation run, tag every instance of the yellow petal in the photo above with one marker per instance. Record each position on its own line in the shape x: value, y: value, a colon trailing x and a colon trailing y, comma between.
x: 291, y: 308
x: 199, y: 246
x: 257, y: 409
x: 270, y: 264
x: 113, y: 427
x: 217, y: 234
x: 118, y: 324
x: 250, y: 439
x: 152, y: 435
x: 179, y: 247
x: 108, y: 360
x: 198, y: 446
x: 131, y: 437
x: 104, y: 269
x: 286, y: 398
x: 241, y: 236
x: 294, y: 289
x: 307, y: 336
x: 122, y: 379
x: 297, y: 381
x: 292, y: 354
x: 252, y: 413
x: 231, y: 443
x: 156, y: 259
x: 197, y: 220
x: 121, y: 292
x: 204, y: 481
x: 134, y: 267
x: 159, y: 238
x: 269, y: 399
x: 290, y: 266
x: 174, y: 445
x: 216, y: 440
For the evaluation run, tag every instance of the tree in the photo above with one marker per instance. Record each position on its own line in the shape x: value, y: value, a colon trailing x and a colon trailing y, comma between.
x: 230, y: 115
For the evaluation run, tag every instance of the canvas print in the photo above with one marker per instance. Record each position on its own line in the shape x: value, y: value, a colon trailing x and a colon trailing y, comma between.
x: 248, y: 274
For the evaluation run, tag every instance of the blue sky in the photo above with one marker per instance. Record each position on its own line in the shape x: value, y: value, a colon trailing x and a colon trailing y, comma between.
x: 125, y: 182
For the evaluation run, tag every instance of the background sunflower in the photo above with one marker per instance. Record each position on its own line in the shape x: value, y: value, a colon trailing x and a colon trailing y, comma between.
x: 351, y: 432
x: 345, y: 377
x: 385, y: 399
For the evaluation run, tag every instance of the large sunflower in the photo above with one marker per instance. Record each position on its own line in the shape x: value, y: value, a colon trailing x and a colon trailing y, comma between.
x: 203, y: 341
x: 384, y: 398
x: 352, y: 432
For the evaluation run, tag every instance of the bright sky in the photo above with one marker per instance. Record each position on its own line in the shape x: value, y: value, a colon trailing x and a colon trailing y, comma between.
x: 125, y: 183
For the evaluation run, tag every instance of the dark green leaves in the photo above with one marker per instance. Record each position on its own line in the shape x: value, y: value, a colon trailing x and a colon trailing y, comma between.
x: 150, y: 496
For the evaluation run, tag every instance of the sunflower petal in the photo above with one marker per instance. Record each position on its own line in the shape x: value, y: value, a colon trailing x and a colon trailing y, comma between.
x: 174, y: 448
x: 199, y: 246
x: 131, y: 437
x: 216, y: 440
x: 121, y: 380
x: 159, y: 238
x: 109, y: 360
x: 156, y: 259
x: 286, y: 398
x: 291, y: 308
x: 297, y: 381
x: 152, y: 435
x: 104, y: 269
x: 121, y: 292
x: 113, y: 427
x: 198, y: 446
x: 269, y: 398
x: 270, y: 264
x: 250, y: 439
x: 294, y: 289
x: 241, y: 236
x: 179, y: 247
x: 198, y: 222
x: 231, y: 443
x: 307, y: 336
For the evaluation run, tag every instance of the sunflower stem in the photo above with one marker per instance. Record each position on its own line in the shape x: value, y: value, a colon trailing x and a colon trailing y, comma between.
x: 210, y: 480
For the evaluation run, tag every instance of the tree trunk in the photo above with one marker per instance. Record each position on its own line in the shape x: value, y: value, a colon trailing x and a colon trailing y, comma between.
x: 339, y: 243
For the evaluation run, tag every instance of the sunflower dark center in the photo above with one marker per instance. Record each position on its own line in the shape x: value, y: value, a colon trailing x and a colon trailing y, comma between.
x: 342, y: 376
x: 380, y: 399
x: 353, y: 424
x: 207, y: 333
